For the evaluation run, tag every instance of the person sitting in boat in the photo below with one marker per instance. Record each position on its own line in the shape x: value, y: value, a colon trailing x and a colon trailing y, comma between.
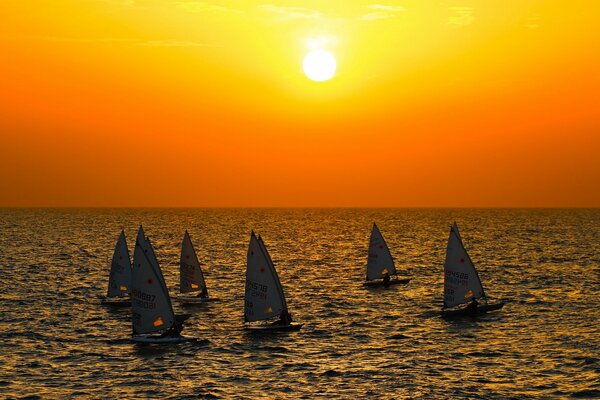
x: 174, y: 330
x: 203, y: 294
x: 472, y: 305
x: 386, y: 280
x: 285, y: 318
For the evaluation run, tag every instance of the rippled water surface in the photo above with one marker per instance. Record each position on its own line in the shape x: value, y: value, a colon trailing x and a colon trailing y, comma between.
x: 388, y: 343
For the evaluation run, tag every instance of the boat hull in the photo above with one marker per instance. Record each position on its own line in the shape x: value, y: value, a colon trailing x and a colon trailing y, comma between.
x: 401, y: 281
x: 465, y: 312
x: 271, y: 328
x: 195, y: 299
x: 116, y: 301
x: 159, y: 339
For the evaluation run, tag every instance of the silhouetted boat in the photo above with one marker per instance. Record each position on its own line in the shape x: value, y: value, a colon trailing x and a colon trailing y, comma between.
x: 119, y: 280
x: 380, y: 262
x: 461, y: 281
x: 152, y: 315
x: 191, y: 279
x: 265, y: 307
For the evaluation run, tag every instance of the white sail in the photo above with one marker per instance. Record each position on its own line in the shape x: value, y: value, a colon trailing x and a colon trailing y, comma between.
x: 275, y: 274
x: 461, y: 281
x: 264, y: 297
x: 150, y: 306
x: 190, y: 273
x: 379, y: 259
x: 149, y: 251
x: 119, y: 280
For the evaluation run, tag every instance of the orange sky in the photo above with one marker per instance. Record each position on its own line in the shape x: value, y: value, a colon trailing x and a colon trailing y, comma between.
x: 198, y: 103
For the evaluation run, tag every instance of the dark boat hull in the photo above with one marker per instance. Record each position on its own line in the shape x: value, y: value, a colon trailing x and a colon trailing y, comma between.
x: 402, y: 281
x: 186, y: 300
x: 149, y: 339
x: 466, y: 312
x: 271, y: 328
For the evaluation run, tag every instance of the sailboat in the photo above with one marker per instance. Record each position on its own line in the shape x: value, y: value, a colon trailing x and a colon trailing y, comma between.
x: 152, y: 315
x: 380, y: 262
x: 119, y: 279
x: 461, y: 281
x: 191, y: 279
x: 265, y: 307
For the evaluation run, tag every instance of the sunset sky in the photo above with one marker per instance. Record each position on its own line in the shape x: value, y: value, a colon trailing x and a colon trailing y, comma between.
x: 199, y: 103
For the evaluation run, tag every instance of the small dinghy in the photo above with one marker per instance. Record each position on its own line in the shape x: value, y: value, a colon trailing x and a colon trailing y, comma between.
x: 119, y: 279
x: 380, y: 264
x: 461, y: 282
x: 265, y: 308
x: 191, y: 279
x: 152, y: 314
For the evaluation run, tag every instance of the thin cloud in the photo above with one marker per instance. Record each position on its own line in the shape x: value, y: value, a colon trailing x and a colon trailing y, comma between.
x: 290, y: 13
x: 461, y: 16
x: 388, y: 8
x: 381, y: 11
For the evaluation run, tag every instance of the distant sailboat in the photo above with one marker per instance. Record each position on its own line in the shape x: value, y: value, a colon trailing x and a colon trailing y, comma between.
x: 265, y: 306
x: 119, y: 280
x: 191, y: 278
x: 461, y: 281
x: 152, y: 314
x: 380, y: 262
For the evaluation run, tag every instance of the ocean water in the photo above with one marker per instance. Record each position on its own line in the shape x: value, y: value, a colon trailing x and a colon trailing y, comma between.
x: 57, y: 341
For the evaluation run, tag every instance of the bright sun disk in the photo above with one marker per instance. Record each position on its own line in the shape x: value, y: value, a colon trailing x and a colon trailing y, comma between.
x: 319, y: 65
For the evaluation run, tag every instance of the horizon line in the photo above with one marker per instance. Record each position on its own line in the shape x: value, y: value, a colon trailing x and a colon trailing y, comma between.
x: 309, y: 207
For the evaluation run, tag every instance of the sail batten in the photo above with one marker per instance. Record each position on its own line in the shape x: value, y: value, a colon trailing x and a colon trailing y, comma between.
x: 263, y: 298
x: 379, y: 260
x: 151, y: 307
x: 190, y: 273
x: 119, y: 281
x: 461, y: 280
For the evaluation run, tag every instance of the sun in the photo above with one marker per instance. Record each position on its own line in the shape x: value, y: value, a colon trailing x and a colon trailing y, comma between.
x: 319, y: 65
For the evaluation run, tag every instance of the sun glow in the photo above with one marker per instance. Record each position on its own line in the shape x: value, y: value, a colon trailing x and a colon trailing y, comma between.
x: 512, y: 88
x: 319, y: 65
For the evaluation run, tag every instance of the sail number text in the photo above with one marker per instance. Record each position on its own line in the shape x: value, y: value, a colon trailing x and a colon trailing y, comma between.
x: 143, y: 300
x: 256, y: 289
x: 457, y: 278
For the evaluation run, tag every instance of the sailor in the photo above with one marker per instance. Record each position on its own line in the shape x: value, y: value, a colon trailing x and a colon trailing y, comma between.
x: 472, y: 305
x: 204, y: 293
x: 173, y: 331
x: 386, y: 280
x: 285, y: 318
